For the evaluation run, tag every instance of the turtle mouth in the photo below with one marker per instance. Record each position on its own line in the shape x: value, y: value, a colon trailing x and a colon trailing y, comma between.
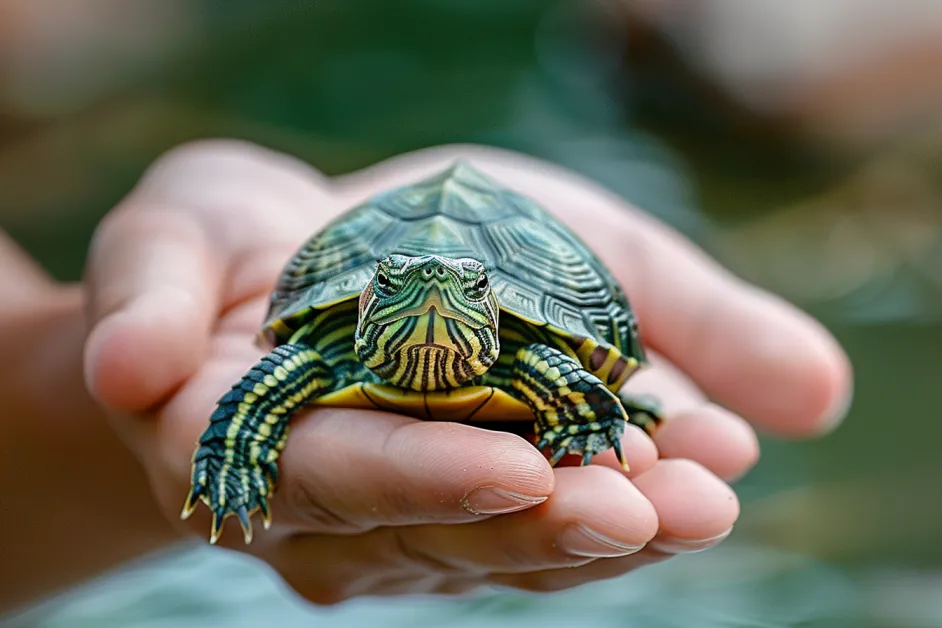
x: 439, y: 335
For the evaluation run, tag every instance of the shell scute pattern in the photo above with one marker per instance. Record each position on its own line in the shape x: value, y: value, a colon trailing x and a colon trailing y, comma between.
x: 439, y: 233
x: 531, y: 251
x: 334, y: 263
x: 459, y: 193
x: 539, y: 270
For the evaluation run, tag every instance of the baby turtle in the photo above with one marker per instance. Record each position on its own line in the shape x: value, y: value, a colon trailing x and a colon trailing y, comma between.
x: 450, y: 299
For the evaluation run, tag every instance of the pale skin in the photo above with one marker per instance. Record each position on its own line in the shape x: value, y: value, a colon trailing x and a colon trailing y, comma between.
x: 66, y: 516
x: 368, y: 503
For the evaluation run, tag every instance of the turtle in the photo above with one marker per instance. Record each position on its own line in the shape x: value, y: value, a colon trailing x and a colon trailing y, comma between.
x: 453, y: 298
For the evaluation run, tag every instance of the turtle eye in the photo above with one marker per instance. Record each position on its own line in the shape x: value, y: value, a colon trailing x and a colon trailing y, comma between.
x: 478, y: 288
x: 382, y: 280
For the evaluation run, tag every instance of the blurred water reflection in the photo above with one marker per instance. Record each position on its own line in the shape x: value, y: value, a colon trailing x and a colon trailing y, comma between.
x: 735, y: 586
x: 838, y: 532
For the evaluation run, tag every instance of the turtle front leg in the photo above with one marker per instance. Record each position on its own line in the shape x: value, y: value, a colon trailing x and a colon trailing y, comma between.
x: 234, y: 470
x: 575, y: 412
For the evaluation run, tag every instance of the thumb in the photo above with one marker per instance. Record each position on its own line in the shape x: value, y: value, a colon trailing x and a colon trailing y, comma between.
x: 158, y: 264
x: 154, y: 284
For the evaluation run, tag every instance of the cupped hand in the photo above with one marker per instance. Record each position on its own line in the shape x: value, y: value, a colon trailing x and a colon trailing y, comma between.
x: 376, y: 503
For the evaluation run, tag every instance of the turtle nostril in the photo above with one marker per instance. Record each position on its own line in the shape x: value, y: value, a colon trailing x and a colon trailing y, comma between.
x: 440, y: 271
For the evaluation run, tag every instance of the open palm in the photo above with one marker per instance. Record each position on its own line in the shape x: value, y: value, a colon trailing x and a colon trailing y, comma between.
x: 371, y: 502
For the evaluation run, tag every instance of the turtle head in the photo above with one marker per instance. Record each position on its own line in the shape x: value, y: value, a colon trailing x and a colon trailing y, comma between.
x: 428, y: 322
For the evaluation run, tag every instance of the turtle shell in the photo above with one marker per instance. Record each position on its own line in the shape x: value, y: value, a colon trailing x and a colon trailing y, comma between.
x: 540, y: 271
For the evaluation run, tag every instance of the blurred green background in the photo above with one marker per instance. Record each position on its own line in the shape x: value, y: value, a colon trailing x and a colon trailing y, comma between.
x: 845, y: 222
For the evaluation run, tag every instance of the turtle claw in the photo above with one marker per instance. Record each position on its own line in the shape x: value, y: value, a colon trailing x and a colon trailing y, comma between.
x: 245, y: 523
x: 584, y: 441
x: 620, y: 455
x: 559, y: 452
x: 189, y: 506
x: 219, y: 520
x: 221, y: 486
x: 216, y: 530
x: 265, y: 510
x: 575, y: 411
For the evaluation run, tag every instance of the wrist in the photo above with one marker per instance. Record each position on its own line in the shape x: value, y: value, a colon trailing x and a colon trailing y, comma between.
x: 85, y: 501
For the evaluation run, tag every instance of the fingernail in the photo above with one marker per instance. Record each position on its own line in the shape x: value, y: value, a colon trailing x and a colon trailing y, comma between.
x: 676, y: 545
x: 580, y: 540
x: 490, y: 500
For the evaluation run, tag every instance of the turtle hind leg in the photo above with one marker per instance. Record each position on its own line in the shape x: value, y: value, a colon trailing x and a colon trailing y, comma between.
x: 234, y: 468
x: 643, y: 411
x: 575, y: 412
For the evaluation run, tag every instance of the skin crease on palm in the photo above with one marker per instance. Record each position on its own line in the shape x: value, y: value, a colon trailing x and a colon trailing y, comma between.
x: 375, y: 503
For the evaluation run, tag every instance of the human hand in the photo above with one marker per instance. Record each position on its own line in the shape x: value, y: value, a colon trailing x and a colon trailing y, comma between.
x: 61, y: 466
x: 368, y: 502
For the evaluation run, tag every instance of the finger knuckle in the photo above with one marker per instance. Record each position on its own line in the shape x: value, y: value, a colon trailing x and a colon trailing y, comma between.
x: 113, y: 225
x: 526, y: 555
x: 315, y: 511
x: 402, y: 504
x: 418, y: 558
x: 203, y: 150
x: 685, y: 466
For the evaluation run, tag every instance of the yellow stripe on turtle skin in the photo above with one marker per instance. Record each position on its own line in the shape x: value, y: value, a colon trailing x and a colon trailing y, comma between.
x: 613, y: 368
x: 252, y: 413
x: 555, y: 386
x: 428, y: 352
x: 604, y: 361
